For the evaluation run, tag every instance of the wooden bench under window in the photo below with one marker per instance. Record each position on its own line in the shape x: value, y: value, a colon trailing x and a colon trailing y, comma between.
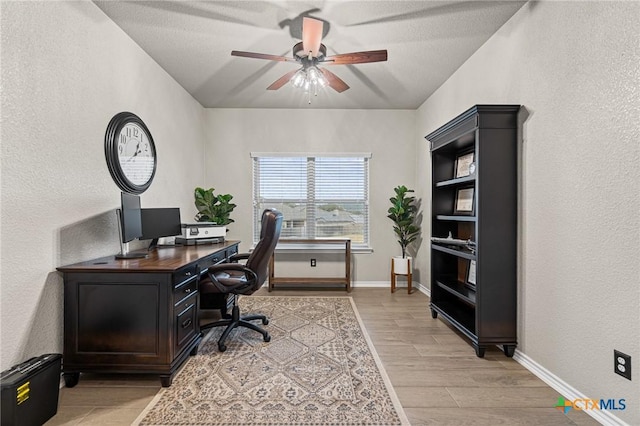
x: 311, y: 245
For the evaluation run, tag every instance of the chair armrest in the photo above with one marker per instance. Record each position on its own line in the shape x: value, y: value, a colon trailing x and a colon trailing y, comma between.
x: 221, y: 267
x: 239, y: 256
x: 250, y: 275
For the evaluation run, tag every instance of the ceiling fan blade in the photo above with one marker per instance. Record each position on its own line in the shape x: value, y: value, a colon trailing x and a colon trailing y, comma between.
x: 311, y: 35
x: 334, y: 81
x: 282, y: 81
x: 356, y: 58
x: 261, y: 56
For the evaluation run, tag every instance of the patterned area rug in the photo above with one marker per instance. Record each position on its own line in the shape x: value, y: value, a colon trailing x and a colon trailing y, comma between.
x: 320, y: 368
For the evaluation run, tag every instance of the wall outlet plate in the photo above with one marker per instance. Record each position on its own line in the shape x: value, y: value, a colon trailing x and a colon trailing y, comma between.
x: 622, y: 364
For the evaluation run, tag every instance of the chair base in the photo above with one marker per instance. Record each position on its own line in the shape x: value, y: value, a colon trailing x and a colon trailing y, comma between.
x: 237, y: 321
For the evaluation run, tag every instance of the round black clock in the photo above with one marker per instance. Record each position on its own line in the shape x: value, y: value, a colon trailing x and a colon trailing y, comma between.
x: 130, y: 153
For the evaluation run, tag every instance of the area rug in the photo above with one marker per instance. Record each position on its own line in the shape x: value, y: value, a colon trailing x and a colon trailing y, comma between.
x: 320, y: 368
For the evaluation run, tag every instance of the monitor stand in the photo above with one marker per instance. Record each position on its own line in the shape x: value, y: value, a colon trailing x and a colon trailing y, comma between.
x: 153, y: 244
x: 124, y: 247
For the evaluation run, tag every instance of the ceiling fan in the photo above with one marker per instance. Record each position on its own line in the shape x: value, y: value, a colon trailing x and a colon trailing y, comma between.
x: 310, y: 53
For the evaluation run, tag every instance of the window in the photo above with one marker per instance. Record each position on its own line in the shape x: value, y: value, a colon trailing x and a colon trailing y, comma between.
x: 319, y: 196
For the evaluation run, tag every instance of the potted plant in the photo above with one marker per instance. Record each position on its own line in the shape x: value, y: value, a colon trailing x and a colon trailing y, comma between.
x: 403, y: 212
x: 215, y: 209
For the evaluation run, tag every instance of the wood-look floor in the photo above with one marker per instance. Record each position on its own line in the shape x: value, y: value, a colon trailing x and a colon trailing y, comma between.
x: 433, y: 369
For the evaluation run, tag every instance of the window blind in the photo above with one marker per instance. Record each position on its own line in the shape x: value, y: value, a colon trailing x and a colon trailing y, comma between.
x: 319, y: 196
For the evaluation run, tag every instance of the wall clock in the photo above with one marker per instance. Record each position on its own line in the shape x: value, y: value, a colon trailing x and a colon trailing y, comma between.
x: 130, y: 153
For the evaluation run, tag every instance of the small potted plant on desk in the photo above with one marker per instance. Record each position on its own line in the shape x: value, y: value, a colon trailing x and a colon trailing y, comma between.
x: 214, y: 208
x: 403, y: 212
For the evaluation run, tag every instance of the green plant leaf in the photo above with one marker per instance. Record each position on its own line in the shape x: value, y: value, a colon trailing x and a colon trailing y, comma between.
x: 403, y: 213
x: 213, y: 208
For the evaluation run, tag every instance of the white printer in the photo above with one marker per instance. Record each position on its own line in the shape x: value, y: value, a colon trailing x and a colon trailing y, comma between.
x: 201, y: 233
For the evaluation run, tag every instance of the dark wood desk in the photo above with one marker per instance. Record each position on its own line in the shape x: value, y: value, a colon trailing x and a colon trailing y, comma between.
x: 135, y: 315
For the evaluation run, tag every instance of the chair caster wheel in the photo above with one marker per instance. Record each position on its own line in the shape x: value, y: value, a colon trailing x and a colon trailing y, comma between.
x: 265, y: 321
x: 267, y: 338
x: 222, y: 347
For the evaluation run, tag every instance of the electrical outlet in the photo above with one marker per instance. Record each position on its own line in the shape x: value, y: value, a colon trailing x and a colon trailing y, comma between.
x: 313, y: 263
x: 622, y: 364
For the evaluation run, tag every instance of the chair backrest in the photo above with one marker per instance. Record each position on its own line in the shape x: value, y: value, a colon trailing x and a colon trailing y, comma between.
x: 258, y: 260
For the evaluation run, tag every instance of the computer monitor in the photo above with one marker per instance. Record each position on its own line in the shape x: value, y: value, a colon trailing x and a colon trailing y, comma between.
x: 130, y: 222
x: 158, y: 223
x: 130, y: 217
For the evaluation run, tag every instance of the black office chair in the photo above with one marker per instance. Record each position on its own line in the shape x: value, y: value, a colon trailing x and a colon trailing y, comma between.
x: 237, y: 279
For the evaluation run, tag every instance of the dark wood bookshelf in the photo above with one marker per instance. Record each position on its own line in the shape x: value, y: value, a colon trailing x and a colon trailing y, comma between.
x: 457, y: 315
x: 457, y: 218
x: 458, y: 181
x: 458, y: 289
x: 460, y: 252
x: 485, y: 311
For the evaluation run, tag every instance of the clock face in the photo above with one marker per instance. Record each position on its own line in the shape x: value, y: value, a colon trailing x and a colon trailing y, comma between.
x: 136, y: 157
x: 130, y: 153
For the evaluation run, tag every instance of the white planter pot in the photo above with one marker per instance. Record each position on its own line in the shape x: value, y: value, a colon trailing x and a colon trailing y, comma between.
x: 402, y: 265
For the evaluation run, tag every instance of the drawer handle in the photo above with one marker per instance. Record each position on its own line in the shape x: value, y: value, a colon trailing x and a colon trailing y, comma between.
x: 188, y: 274
x: 187, y: 290
x: 187, y: 323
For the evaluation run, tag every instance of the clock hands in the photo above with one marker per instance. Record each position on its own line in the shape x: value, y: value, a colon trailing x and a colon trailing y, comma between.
x: 138, y: 151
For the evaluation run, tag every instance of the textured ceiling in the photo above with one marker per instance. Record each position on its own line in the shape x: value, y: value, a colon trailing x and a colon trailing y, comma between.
x: 426, y: 42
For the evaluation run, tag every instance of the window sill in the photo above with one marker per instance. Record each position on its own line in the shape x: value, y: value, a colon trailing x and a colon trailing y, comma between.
x: 316, y: 248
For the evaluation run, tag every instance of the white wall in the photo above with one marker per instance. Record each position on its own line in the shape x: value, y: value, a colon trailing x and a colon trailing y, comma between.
x: 66, y: 70
x: 387, y: 134
x: 575, y: 67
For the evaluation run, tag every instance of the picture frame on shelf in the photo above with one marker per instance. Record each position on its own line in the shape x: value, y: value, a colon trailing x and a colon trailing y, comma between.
x: 464, y: 203
x: 462, y: 165
x: 471, y: 274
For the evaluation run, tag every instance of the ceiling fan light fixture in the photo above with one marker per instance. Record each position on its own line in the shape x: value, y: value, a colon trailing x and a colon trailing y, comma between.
x: 299, y: 78
x: 313, y: 74
x: 309, y: 78
x: 315, y: 77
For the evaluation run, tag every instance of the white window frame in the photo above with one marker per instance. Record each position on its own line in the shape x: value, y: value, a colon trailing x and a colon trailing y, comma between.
x: 310, y: 200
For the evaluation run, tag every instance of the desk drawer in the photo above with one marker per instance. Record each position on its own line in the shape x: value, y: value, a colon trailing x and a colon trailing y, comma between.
x: 232, y: 250
x: 184, y: 274
x: 186, y: 317
x: 211, y: 260
x: 185, y: 289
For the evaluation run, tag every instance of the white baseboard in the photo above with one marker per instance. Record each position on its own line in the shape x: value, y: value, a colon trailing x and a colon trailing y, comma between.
x: 382, y: 284
x: 387, y: 284
x: 372, y: 284
x: 563, y: 388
